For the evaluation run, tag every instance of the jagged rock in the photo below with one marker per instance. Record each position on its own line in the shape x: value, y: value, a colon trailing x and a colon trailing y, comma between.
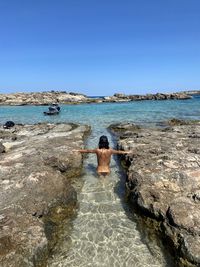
x: 174, y: 122
x: 196, y: 195
x: 36, y: 192
x: 124, y: 127
x: 2, y: 148
x: 44, y: 98
x: 164, y: 181
x: 47, y: 98
x: 119, y: 97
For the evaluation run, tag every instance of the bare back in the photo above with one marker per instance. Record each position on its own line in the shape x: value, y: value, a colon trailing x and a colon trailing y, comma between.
x: 103, y: 159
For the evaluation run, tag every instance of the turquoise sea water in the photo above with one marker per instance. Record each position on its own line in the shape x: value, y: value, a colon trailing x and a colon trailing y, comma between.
x: 143, y: 112
x: 105, y: 232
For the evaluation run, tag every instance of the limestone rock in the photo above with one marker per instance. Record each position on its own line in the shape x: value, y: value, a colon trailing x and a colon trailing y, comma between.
x: 47, y: 98
x: 2, y: 148
x: 44, y: 98
x: 163, y: 180
x: 36, y: 192
x: 120, y: 97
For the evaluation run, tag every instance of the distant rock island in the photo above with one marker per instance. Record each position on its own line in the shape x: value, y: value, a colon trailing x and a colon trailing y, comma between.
x: 63, y: 97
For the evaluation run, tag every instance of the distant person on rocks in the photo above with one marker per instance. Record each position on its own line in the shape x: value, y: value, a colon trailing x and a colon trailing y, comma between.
x: 104, y: 154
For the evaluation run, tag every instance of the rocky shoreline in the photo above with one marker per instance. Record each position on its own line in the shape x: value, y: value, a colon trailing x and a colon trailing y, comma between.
x: 43, y: 98
x: 62, y: 97
x: 158, y: 96
x: 163, y: 181
x: 37, y: 164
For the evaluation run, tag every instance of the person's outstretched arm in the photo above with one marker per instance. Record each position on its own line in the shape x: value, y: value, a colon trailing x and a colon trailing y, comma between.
x: 121, y: 151
x: 85, y: 150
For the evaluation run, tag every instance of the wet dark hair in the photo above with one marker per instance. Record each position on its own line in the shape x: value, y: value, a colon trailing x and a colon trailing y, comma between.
x: 103, y: 142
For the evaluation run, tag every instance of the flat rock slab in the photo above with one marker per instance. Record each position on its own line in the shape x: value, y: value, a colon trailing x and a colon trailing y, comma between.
x: 164, y: 180
x: 35, y: 187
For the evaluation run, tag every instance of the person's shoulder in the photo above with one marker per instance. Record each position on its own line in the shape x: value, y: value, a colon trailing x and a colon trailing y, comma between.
x: 110, y: 150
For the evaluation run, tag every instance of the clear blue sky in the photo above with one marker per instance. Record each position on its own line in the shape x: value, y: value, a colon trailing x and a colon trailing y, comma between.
x: 99, y: 47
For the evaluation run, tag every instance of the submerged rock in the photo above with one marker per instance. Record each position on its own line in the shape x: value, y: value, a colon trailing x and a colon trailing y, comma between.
x: 164, y: 181
x: 36, y: 192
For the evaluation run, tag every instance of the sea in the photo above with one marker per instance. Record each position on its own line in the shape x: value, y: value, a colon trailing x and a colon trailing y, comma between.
x: 106, y: 232
x: 146, y: 112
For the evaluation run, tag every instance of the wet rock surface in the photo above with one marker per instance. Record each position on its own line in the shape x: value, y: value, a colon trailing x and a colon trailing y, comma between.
x: 36, y: 192
x: 163, y: 181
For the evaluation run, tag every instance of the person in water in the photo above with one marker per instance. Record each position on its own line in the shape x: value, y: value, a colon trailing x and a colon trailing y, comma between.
x: 104, y: 154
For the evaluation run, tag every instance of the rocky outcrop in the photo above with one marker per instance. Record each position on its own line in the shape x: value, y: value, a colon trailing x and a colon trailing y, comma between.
x: 163, y: 181
x: 118, y: 97
x: 2, y: 148
x: 36, y: 193
x: 44, y: 98
x: 62, y: 97
x: 192, y: 92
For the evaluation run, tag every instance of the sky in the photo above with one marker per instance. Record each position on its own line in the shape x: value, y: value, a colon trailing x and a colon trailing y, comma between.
x: 99, y: 47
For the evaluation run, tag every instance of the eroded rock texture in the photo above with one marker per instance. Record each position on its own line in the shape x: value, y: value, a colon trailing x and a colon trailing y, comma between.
x: 36, y: 193
x: 42, y: 98
x: 47, y: 98
x: 118, y: 97
x: 164, y: 180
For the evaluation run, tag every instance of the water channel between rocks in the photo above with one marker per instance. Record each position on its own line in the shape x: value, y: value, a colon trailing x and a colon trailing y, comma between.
x: 105, y: 232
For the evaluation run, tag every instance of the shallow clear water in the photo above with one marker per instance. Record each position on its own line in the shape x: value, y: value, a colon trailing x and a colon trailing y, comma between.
x: 105, y: 232
x: 106, y: 113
